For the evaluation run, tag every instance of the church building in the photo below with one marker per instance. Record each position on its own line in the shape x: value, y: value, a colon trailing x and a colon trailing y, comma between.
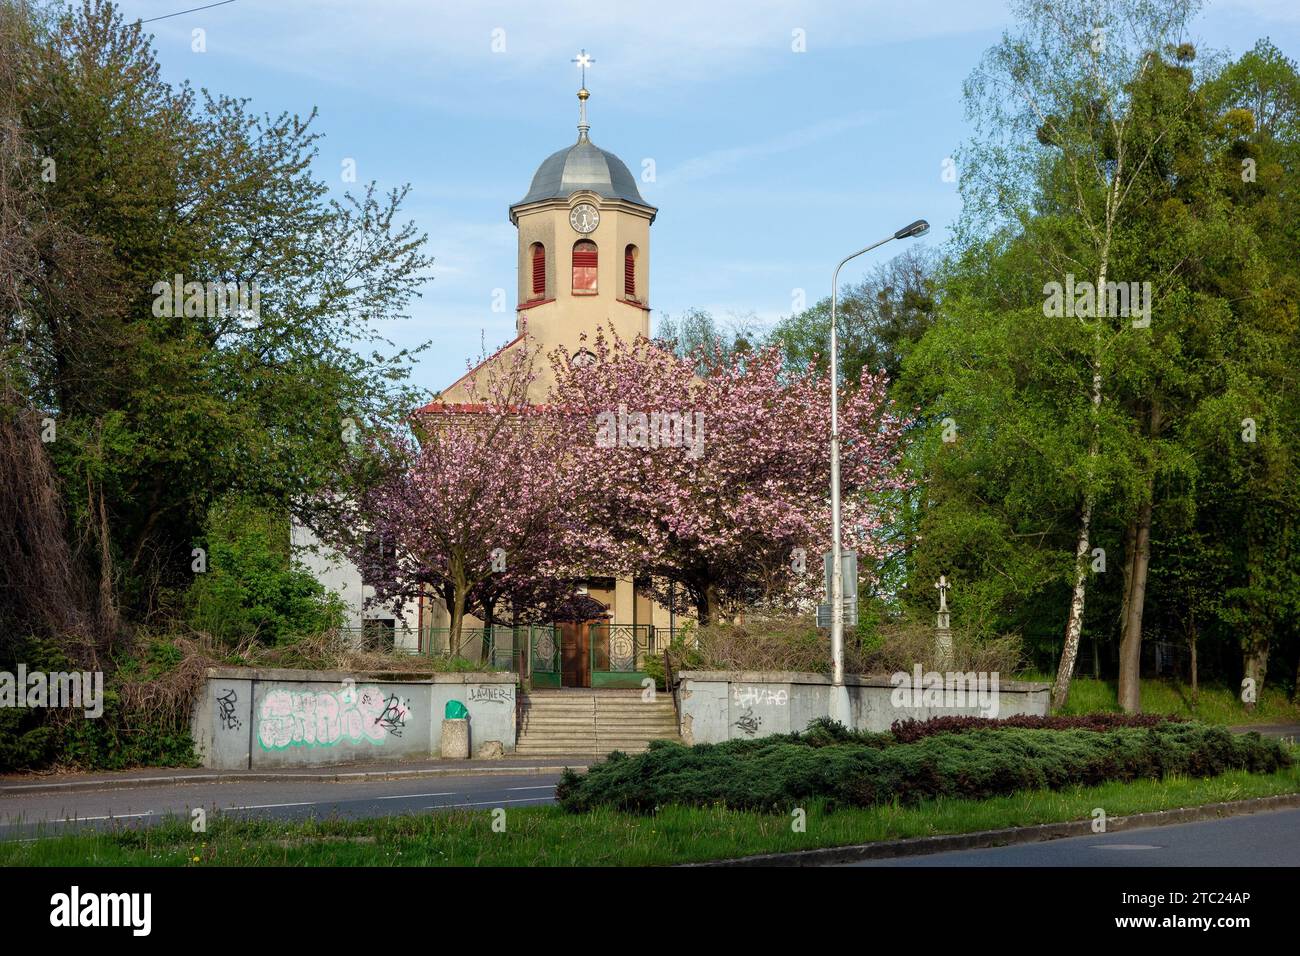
x: 583, y: 265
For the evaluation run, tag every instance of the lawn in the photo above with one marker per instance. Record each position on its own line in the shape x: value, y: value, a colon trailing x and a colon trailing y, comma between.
x: 1216, y: 704
x: 547, y: 836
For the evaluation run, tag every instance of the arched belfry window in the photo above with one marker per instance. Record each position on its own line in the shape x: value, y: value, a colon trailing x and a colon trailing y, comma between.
x: 629, y: 272
x: 539, y: 270
x: 584, y: 267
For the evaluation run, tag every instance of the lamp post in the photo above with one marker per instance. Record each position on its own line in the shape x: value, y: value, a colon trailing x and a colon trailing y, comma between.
x: 839, y: 703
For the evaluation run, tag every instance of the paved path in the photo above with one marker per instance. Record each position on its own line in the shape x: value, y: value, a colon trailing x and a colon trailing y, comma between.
x: 1257, y: 839
x: 1281, y: 731
x: 23, y: 816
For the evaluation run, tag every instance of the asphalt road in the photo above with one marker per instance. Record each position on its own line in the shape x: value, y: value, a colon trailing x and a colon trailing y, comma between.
x: 26, y: 816
x: 1256, y: 839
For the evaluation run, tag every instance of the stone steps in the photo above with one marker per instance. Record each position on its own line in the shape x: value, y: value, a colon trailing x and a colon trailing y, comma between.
x: 592, y: 723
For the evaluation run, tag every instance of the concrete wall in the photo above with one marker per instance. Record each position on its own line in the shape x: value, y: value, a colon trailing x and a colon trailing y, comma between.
x: 724, y: 705
x: 248, y: 718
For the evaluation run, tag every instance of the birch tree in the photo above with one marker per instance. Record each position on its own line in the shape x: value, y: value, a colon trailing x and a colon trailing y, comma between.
x: 1051, y: 106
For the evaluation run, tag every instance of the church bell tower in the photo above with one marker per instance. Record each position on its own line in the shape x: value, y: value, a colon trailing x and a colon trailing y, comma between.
x: 584, y: 247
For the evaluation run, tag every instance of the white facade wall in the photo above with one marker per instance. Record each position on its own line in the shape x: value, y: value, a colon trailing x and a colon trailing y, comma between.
x: 341, y: 576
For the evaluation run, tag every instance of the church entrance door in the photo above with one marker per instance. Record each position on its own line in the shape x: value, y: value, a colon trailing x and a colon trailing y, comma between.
x: 575, y: 654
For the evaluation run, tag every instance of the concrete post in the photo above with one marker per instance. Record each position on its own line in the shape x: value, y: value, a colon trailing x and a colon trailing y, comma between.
x: 455, y: 739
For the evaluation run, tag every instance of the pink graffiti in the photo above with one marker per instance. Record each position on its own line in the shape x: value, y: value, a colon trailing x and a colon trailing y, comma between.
x: 322, y: 718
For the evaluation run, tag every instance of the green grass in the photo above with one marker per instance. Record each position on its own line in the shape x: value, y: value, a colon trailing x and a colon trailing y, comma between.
x: 1216, y: 704
x: 547, y: 836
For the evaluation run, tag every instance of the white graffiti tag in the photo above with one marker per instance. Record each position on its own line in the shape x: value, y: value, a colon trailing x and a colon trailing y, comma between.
x: 749, y: 696
x: 323, y: 718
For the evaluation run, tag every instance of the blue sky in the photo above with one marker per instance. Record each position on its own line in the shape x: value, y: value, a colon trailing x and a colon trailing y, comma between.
x: 770, y: 164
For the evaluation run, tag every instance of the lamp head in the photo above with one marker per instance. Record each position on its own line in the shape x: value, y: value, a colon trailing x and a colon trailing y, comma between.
x: 918, y: 228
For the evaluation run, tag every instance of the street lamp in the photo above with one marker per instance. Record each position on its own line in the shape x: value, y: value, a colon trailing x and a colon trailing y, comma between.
x: 839, y: 703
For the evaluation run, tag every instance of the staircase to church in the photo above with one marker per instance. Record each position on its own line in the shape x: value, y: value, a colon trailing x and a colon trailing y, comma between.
x: 581, y: 721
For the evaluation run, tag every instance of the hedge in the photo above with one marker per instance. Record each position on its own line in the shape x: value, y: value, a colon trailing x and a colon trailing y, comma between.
x: 911, y: 730
x: 842, y: 767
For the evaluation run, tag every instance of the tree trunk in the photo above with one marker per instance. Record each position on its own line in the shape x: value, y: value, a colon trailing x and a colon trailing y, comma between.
x: 460, y: 598
x: 1191, y: 640
x: 706, y: 603
x: 1130, y: 556
x: 488, y: 643
x: 1255, y: 652
x: 1130, y: 643
x: 1074, y: 625
x: 1256, y: 661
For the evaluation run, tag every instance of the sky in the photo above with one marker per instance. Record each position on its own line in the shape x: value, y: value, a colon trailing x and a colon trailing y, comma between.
x: 774, y: 137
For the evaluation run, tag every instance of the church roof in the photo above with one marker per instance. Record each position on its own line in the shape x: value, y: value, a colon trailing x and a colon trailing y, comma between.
x: 583, y: 166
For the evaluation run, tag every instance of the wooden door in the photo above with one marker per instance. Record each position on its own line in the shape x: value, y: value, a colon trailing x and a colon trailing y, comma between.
x: 575, y: 654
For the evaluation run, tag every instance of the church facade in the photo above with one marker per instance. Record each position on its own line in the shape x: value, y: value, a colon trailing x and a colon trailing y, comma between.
x: 583, y: 265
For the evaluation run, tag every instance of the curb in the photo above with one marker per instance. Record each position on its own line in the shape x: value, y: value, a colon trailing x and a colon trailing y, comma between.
x: 1009, y: 836
x: 356, y: 776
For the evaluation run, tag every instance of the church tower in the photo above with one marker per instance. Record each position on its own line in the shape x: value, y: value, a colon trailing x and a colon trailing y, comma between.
x: 584, y: 248
x: 584, y: 266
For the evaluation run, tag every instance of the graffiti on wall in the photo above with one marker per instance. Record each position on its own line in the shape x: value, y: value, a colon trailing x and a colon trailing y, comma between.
x: 393, y: 718
x: 748, y: 724
x: 492, y: 694
x: 328, y: 717
x: 226, y: 710
x: 749, y: 696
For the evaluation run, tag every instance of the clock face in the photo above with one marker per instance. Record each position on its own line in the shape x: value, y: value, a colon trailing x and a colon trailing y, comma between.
x: 584, y: 218
x: 583, y: 358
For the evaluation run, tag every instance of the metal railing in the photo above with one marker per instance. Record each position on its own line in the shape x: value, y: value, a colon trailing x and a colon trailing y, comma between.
x: 621, y: 648
x: 535, y: 649
x: 496, y: 648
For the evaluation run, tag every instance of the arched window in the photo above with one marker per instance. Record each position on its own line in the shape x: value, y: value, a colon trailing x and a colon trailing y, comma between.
x: 539, y: 270
x: 584, y: 267
x: 629, y: 272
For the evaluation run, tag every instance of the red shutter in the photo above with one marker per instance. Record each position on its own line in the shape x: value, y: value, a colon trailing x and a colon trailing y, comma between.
x: 629, y: 274
x: 584, y: 268
x: 539, y: 270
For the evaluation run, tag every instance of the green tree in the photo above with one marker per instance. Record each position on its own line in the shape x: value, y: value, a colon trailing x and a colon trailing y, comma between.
x: 245, y: 584
x: 164, y: 408
x: 879, y: 318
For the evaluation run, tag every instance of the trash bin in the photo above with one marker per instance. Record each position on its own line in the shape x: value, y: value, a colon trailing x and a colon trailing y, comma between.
x: 455, y: 731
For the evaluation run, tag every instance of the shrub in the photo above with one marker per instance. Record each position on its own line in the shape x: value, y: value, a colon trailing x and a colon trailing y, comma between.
x: 846, y: 768
x: 250, y: 588
x: 910, y: 730
x: 876, y: 647
x: 149, y: 687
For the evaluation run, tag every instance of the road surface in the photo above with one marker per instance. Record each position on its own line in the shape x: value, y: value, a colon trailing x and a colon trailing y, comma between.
x: 24, y: 816
x: 1256, y: 839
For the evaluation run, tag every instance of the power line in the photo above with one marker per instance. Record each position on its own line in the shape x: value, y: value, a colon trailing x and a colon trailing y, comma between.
x: 181, y: 13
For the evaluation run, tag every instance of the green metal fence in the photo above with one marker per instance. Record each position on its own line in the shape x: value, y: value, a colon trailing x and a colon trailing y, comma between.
x: 544, y: 656
x: 494, y: 648
x: 619, y: 652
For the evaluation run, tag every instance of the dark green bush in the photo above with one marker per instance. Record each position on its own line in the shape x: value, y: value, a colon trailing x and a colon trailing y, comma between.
x: 251, y: 588
x: 148, y: 686
x: 842, y: 767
